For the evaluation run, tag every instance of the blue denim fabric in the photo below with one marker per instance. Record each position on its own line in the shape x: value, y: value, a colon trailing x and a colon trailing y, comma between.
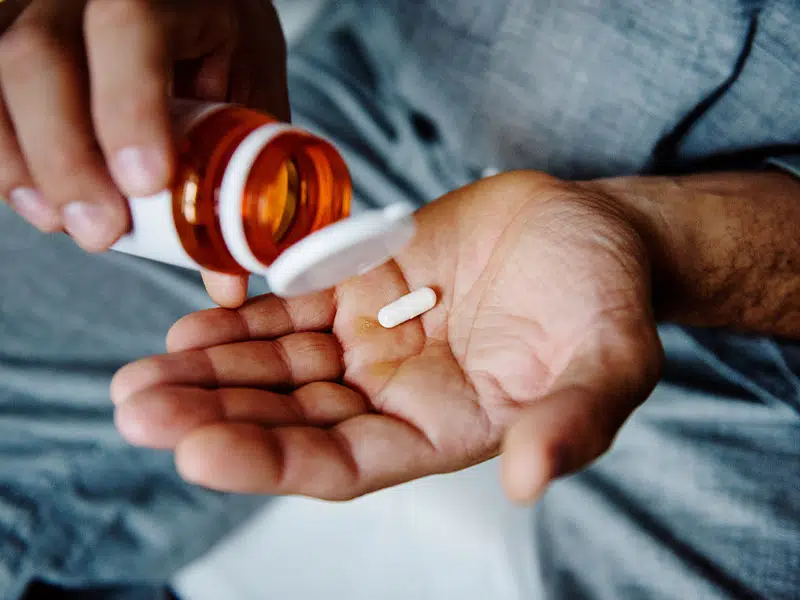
x: 79, y: 506
x: 700, y: 497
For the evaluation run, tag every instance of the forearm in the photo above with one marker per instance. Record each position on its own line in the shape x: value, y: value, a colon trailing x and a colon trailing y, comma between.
x: 725, y: 248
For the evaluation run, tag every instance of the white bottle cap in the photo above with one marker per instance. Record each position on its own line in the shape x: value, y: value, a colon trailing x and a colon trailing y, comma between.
x: 350, y: 247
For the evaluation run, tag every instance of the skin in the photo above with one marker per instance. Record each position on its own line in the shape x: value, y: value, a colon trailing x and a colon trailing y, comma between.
x: 544, y: 338
x: 541, y: 346
x: 312, y: 396
x: 84, y: 113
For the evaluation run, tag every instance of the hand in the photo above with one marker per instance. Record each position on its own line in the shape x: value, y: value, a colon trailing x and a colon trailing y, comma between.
x: 543, y: 342
x: 84, y: 111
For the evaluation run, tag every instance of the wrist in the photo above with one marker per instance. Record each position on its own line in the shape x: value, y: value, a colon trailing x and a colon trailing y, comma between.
x: 664, y: 218
x: 722, y: 247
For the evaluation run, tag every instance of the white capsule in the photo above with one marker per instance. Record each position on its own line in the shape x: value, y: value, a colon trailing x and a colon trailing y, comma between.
x: 408, y: 307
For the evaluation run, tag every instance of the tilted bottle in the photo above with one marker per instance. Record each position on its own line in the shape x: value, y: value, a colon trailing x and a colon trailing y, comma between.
x: 254, y: 195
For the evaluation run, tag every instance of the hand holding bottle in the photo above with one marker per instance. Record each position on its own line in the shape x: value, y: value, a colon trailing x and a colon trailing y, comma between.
x: 85, y: 118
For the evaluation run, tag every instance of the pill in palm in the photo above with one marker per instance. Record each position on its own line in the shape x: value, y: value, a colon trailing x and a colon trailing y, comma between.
x: 408, y: 307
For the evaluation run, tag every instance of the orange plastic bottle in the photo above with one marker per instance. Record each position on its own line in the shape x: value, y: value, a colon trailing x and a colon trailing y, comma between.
x: 246, y: 189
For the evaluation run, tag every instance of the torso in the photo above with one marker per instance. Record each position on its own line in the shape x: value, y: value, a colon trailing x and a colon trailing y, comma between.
x: 587, y: 88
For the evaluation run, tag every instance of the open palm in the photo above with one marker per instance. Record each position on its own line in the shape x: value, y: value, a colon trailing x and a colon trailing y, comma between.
x: 543, y: 337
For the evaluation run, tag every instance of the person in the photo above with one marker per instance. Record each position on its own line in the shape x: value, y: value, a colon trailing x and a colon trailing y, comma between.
x: 638, y: 244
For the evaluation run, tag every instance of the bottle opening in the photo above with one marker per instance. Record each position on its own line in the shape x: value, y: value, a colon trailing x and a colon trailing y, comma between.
x: 297, y: 185
x: 294, y: 195
x: 271, y: 206
x: 188, y: 196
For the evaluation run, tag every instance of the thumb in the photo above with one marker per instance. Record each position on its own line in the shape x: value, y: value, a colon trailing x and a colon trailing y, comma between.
x: 579, y: 417
x: 227, y: 291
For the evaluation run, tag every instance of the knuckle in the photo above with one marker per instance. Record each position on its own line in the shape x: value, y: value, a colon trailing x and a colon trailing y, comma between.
x: 65, y: 172
x: 103, y: 14
x: 63, y: 164
x: 23, y: 47
x: 122, y: 110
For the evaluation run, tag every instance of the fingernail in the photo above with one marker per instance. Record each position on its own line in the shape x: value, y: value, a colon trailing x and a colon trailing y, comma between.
x: 92, y: 225
x: 140, y: 171
x: 32, y: 206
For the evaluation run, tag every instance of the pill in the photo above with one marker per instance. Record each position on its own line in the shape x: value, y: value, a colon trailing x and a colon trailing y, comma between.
x: 408, y: 307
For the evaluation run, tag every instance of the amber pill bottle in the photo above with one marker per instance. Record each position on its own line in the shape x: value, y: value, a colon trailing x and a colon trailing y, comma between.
x: 251, y: 195
x: 246, y: 187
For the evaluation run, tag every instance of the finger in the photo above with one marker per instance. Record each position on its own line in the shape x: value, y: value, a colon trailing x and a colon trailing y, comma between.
x: 131, y: 47
x: 129, y: 71
x: 257, y: 75
x: 290, y: 361
x: 361, y: 455
x: 206, y: 78
x: 16, y: 184
x: 228, y: 291
x: 9, y: 11
x: 578, y: 420
x: 211, y: 82
x: 262, y: 318
x: 159, y: 418
x: 45, y: 93
x: 199, y: 28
